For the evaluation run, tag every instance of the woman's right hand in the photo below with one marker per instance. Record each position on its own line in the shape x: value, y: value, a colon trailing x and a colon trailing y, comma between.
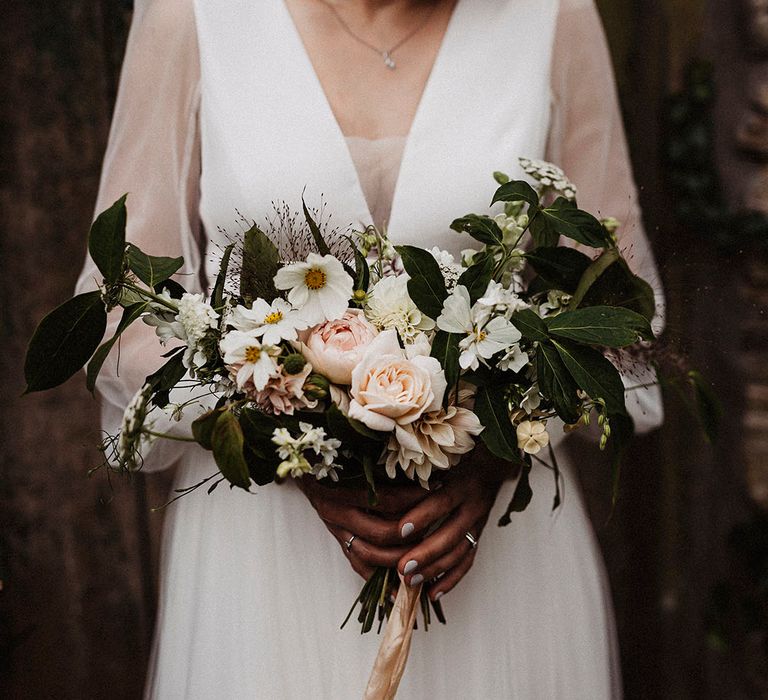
x: 377, y: 537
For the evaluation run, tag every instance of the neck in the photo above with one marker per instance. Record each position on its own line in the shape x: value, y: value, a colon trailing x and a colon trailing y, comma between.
x: 371, y: 8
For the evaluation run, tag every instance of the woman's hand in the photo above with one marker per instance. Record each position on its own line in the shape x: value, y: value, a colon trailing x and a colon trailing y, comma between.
x: 378, y: 539
x: 463, y: 504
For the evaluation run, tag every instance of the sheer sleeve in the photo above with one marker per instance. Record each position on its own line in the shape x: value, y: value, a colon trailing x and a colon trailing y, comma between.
x: 587, y: 140
x: 153, y: 155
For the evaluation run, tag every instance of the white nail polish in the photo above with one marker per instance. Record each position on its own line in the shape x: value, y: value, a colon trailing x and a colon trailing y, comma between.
x: 417, y: 579
x: 406, y: 530
x: 438, y: 595
x: 412, y: 565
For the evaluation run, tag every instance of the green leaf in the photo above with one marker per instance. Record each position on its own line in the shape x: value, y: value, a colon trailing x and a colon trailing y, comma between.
x: 522, y: 496
x: 106, y: 241
x: 516, y: 191
x: 619, y: 286
x: 492, y: 410
x: 167, y: 377
x: 481, y: 228
x: 564, y: 219
x: 217, y: 296
x: 556, y: 382
x: 259, y: 451
x: 362, y: 271
x: 530, y: 324
x: 257, y: 425
x: 543, y: 233
x: 426, y: 285
x: 476, y: 278
x: 64, y: 341
x: 710, y: 409
x: 560, y: 266
x: 500, y: 177
x: 130, y: 314
x: 260, y: 263
x: 593, y: 373
x: 608, y: 326
x: 151, y: 269
x: 314, y: 229
x: 202, y: 428
x: 445, y: 348
x: 227, y: 444
x: 172, y: 287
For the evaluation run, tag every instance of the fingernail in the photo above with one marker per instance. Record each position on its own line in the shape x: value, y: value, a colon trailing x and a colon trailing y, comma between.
x: 416, y: 580
x: 438, y: 595
x: 412, y: 565
x: 406, y: 530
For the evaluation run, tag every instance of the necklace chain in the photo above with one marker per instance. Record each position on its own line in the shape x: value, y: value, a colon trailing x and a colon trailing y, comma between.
x: 385, y: 54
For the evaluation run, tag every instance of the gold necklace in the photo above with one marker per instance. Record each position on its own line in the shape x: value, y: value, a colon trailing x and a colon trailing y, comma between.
x: 386, y: 54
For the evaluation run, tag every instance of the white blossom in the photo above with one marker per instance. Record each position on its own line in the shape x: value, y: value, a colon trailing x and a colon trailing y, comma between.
x: 291, y: 450
x: 271, y: 322
x: 532, y: 436
x: 449, y: 268
x: 484, y: 334
x: 196, y: 317
x: 319, y: 288
x: 549, y: 175
x: 390, y: 306
x: 250, y: 363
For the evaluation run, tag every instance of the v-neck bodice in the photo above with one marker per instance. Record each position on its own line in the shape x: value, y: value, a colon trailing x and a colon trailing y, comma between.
x: 377, y: 162
x: 268, y: 133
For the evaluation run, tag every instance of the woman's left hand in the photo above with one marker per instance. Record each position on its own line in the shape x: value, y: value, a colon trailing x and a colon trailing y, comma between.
x: 463, y: 503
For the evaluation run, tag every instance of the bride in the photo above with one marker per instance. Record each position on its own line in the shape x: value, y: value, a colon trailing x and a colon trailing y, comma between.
x: 393, y: 112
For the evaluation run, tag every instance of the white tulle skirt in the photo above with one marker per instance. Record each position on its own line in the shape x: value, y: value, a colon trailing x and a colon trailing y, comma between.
x: 254, y: 588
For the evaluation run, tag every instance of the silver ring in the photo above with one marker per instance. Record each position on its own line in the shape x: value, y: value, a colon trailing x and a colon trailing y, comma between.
x: 472, y: 540
x: 348, y: 543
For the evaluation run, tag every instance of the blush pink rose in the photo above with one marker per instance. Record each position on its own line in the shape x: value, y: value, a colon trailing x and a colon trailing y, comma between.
x: 334, y: 348
x: 389, y: 389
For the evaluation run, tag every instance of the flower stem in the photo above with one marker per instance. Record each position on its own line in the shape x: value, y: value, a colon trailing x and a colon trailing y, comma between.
x: 151, y: 295
x: 168, y: 436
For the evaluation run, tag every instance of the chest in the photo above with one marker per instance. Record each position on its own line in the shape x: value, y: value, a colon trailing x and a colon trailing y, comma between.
x: 270, y: 134
x: 368, y: 98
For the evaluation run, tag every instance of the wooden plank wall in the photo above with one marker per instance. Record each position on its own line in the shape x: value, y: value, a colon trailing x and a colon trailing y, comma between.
x: 78, y: 556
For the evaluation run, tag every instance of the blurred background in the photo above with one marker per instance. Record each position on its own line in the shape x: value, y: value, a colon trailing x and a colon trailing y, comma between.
x: 686, y: 549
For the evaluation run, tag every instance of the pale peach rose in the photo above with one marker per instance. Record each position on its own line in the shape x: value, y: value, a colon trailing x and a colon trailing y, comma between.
x: 334, y: 348
x: 388, y: 389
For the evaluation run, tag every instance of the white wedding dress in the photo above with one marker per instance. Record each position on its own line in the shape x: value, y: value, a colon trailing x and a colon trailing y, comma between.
x: 220, y: 110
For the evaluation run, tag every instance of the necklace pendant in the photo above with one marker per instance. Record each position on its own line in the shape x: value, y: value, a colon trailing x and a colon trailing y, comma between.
x: 388, y: 60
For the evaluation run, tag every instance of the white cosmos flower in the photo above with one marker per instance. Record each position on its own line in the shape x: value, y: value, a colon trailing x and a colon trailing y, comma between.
x: 270, y: 322
x: 485, y: 335
x: 320, y: 288
x: 390, y: 306
x: 248, y: 361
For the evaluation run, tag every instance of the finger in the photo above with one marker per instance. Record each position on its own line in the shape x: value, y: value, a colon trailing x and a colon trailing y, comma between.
x: 396, y: 500
x: 437, y: 568
x: 369, y: 527
x: 358, y: 566
x: 369, y: 554
x: 449, y: 536
x: 453, y: 576
x: 428, y: 511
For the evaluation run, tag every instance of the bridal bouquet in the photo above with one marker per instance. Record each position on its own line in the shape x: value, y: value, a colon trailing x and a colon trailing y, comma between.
x: 346, y: 358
